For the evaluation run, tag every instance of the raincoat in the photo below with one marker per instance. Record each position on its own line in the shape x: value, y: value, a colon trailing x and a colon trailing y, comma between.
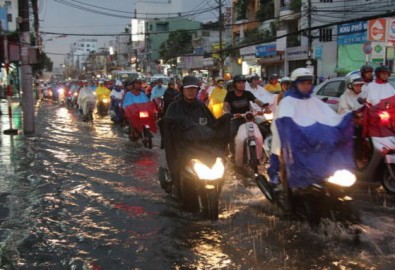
x: 191, y: 131
x: 86, y: 99
x: 377, y: 91
x: 216, y: 103
x: 314, y: 141
x: 102, y: 92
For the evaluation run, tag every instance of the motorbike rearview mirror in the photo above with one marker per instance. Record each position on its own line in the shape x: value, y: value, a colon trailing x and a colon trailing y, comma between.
x: 325, y: 99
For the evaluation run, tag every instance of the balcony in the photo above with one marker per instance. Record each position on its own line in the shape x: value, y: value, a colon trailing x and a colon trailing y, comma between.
x: 290, y: 10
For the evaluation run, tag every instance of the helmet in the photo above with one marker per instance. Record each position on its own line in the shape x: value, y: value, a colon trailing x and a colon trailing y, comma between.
x: 285, y: 80
x: 366, y: 68
x: 353, y: 79
x: 273, y: 76
x: 302, y: 74
x: 118, y: 83
x: 238, y: 78
x: 254, y: 76
x: 190, y: 81
x: 219, y: 79
x: 381, y: 69
x: 137, y: 80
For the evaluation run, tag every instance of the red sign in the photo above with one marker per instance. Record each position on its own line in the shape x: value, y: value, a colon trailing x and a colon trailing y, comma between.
x: 377, y: 30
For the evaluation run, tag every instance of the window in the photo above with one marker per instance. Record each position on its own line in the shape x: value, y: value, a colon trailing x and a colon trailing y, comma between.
x: 325, y: 34
x: 7, y: 3
x: 332, y: 89
x: 82, y: 45
x: 88, y: 45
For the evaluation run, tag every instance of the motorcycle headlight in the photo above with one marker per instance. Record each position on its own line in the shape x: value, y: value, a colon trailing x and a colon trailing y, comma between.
x: 268, y: 116
x: 205, y: 173
x: 60, y: 90
x: 342, y: 178
x: 105, y: 100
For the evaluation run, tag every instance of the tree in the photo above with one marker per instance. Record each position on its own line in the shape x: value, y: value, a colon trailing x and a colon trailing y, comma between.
x: 44, y: 63
x: 179, y: 43
x: 266, y: 10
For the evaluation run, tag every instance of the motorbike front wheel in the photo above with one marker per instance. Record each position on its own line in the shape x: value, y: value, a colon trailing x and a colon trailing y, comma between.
x: 212, y: 204
x: 388, y: 181
x: 253, y: 159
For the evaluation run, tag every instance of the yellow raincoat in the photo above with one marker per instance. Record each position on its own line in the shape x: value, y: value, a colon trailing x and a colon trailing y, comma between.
x: 102, y: 92
x: 216, y: 101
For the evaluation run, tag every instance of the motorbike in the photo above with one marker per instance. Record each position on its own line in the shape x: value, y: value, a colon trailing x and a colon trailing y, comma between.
x: 330, y: 198
x: 116, y: 111
x: 376, y: 159
x: 89, y: 116
x: 141, y: 121
x: 60, y: 96
x: 199, y: 186
x: 69, y: 100
x: 103, y: 106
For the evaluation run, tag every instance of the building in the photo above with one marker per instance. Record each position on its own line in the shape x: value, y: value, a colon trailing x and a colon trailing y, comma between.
x: 157, y: 31
x: 8, y: 15
x: 79, y: 51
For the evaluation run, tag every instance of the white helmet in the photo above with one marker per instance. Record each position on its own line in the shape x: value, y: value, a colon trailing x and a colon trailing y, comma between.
x: 118, y: 83
x: 353, y: 79
x: 285, y: 79
x: 302, y: 74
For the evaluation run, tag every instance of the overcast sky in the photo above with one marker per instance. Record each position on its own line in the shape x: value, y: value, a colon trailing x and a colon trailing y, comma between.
x: 58, y: 17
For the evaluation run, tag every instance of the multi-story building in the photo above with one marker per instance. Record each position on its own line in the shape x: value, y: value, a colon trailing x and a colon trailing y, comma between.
x: 79, y: 52
x: 8, y: 15
x: 324, y: 49
x: 157, y: 31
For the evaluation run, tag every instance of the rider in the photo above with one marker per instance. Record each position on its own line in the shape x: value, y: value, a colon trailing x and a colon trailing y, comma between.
x: 116, y: 96
x: 367, y: 76
x: 170, y: 95
x: 348, y: 102
x: 285, y: 86
x: 134, y: 94
x: 102, y: 92
x: 259, y: 92
x: 216, y: 98
x: 158, y: 90
x: 85, y: 97
x: 300, y: 122
x: 380, y: 88
x: 237, y: 102
x: 273, y: 85
x: 191, y: 131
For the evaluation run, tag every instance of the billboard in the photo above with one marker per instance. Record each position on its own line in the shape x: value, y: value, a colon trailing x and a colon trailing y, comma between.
x: 352, y: 33
x: 377, y: 30
x: 137, y: 30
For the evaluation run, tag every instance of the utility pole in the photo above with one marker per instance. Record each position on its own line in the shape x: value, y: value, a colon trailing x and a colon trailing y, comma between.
x: 309, y: 36
x: 220, y: 22
x: 28, y: 97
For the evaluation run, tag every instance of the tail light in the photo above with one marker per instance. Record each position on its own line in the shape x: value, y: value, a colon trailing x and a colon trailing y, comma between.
x: 144, y: 114
x: 384, y: 118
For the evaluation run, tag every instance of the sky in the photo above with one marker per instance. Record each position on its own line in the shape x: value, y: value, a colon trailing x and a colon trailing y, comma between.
x: 58, y: 17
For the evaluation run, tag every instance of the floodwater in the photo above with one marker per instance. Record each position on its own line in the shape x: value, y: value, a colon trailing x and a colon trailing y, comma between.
x: 80, y: 196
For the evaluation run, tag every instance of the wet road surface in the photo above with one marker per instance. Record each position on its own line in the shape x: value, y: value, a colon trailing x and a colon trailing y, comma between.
x: 76, y: 196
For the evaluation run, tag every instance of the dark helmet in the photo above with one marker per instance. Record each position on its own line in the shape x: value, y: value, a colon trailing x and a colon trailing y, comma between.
x: 238, y: 78
x: 366, y: 68
x: 137, y: 80
x: 382, y: 69
x: 273, y: 76
x: 128, y: 83
x: 190, y: 81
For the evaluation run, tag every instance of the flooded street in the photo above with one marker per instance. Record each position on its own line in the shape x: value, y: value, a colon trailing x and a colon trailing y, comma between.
x: 76, y: 196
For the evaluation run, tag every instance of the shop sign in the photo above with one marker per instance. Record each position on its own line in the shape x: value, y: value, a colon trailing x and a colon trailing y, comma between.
x: 265, y: 50
x: 352, y: 33
x: 391, y: 30
x: 296, y: 53
x: 250, y: 50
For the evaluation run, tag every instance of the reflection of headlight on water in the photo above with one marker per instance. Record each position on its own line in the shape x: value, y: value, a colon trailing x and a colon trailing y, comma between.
x: 205, y: 173
x: 342, y: 178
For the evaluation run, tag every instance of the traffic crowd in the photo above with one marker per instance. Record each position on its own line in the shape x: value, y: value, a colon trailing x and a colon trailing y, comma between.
x: 215, y: 111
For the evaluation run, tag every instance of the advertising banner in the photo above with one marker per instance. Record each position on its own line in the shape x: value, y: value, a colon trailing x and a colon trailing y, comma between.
x: 377, y: 30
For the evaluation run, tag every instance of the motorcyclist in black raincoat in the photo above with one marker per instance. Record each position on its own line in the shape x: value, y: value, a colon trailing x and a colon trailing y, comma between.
x: 191, y: 131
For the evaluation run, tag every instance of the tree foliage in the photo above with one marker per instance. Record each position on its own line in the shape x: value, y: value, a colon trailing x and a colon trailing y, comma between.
x: 179, y: 43
x: 266, y: 10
